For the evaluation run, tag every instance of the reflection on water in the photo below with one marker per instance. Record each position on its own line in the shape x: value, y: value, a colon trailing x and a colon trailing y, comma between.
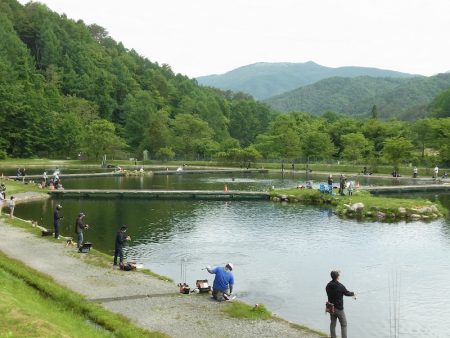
x: 282, y: 255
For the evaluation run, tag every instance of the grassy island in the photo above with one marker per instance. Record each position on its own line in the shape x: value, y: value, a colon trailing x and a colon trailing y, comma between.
x: 363, y: 205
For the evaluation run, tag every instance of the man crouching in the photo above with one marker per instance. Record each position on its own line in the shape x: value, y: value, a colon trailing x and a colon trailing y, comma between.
x: 223, y: 282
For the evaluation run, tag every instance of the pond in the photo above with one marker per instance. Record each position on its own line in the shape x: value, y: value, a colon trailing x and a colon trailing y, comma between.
x: 214, y: 181
x: 282, y: 253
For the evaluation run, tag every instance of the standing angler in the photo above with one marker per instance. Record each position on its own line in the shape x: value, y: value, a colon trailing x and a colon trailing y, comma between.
x: 56, y: 218
x: 79, y: 227
x: 121, y: 238
x: 335, y: 293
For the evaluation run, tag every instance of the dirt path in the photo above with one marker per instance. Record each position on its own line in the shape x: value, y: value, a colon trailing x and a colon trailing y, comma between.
x: 147, y: 301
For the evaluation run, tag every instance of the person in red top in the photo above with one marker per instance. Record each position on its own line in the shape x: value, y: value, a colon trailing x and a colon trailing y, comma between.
x: 336, y: 292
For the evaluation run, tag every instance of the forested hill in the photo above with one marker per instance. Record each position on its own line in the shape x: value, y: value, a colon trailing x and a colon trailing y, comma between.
x: 66, y: 88
x: 406, y: 99
x: 263, y: 80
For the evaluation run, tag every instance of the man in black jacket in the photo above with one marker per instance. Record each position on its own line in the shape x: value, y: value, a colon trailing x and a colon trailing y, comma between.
x: 56, y: 220
x: 79, y: 227
x: 335, y: 293
x: 121, y: 237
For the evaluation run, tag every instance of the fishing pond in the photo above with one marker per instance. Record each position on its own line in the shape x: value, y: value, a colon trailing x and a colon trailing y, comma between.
x: 282, y: 253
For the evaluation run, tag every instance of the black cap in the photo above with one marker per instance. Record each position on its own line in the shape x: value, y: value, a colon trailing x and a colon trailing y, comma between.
x: 123, y: 227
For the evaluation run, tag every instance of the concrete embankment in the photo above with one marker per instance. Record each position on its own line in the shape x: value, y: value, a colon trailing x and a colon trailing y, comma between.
x: 163, y: 194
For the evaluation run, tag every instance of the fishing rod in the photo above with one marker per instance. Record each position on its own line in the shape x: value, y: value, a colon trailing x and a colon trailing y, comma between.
x: 371, y: 290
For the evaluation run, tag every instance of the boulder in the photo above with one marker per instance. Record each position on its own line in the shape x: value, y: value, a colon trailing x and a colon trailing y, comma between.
x: 381, y: 214
x: 357, y: 206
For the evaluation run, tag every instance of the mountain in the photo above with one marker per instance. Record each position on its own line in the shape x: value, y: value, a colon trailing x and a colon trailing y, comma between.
x: 404, y: 98
x: 66, y: 88
x: 263, y: 80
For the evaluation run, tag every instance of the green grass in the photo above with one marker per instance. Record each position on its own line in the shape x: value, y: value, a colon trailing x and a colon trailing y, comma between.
x: 27, y: 313
x: 372, y: 204
x: 35, y: 286
x: 307, y: 329
x: 15, y: 187
x: 95, y: 257
x: 238, y: 309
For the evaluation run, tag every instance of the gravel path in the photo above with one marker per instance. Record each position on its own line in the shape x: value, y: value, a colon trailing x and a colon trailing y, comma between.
x: 147, y: 301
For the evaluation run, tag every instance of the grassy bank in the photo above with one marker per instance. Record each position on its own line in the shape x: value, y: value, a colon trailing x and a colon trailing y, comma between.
x: 238, y: 309
x: 33, y: 305
x: 15, y: 187
x: 95, y: 257
x: 364, y: 205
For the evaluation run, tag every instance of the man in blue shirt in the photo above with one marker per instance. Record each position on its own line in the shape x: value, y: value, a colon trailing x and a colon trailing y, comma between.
x: 223, y: 282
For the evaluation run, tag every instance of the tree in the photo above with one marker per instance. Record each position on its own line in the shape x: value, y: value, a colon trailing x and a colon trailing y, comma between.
x: 356, y: 146
x: 165, y: 153
x: 425, y: 133
x: 440, y: 106
x: 374, y: 112
x: 397, y: 150
x: 100, y: 138
x: 282, y: 139
x: 189, y: 133
x: 317, y: 144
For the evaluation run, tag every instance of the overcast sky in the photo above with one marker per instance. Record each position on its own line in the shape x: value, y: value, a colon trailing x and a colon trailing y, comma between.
x: 202, y: 37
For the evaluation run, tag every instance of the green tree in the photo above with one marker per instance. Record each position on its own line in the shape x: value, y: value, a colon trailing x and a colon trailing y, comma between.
x: 396, y: 150
x: 440, y: 107
x: 424, y: 133
x: 165, y: 153
x: 318, y: 145
x: 100, y: 138
x: 356, y: 147
x: 189, y: 133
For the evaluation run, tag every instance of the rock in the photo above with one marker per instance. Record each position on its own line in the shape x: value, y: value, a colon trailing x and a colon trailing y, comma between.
x: 357, y: 206
x: 402, y: 211
x: 276, y: 199
x: 284, y: 198
x: 381, y: 214
x: 434, y: 208
x: 415, y: 216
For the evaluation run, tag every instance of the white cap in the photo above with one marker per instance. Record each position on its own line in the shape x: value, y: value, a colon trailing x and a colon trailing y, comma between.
x: 229, y: 265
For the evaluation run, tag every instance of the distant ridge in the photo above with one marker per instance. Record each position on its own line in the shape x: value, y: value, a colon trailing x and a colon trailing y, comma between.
x: 263, y: 80
x: 403, y: 98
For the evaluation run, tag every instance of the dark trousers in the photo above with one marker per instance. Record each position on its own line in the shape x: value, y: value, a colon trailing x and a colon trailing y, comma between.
x: 338, y: 314
x: 56, y: 230
x: 118, y: 252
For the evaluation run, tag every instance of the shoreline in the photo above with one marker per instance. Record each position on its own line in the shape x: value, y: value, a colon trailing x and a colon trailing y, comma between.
x: 177, y: 315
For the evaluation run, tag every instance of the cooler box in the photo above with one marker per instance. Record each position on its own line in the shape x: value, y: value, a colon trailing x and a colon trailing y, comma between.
x: 47, y: 232
x: 202, y: 285
x: 85, y: 248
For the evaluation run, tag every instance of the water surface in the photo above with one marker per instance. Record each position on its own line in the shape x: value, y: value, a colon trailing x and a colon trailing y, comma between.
x: 282, y: 252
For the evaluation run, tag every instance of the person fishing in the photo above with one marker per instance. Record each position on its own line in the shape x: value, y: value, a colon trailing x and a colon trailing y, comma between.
x: 56, y: 220
x: 223, y: 282
x: 79, y: 227
x: 335, y: 305
x: 121, y: 238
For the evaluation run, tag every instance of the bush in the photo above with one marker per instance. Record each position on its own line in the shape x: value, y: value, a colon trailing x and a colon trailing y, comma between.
x: 3, y: 155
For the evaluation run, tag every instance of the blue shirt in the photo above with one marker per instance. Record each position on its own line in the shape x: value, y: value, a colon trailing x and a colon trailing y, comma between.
x: 223, y: 278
